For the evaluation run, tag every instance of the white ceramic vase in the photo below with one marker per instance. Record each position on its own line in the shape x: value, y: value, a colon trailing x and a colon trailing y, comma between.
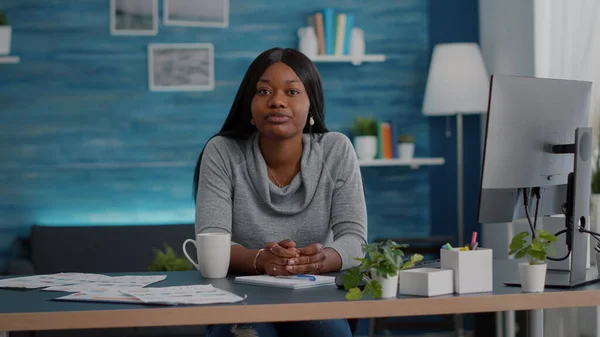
x: 406, y: 151
x: 308, y: 42
x: 389, y: 285
x: 366, y: 147
x: 5, y: 35
x: 533, y: 277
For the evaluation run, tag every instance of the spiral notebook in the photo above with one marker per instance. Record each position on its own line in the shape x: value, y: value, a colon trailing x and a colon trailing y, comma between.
x: 289, y: 282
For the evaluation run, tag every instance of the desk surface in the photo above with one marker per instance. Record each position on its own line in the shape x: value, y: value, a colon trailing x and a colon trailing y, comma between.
x: 34, y: 310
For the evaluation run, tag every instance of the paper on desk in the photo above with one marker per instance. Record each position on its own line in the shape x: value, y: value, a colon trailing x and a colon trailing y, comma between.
x: 194, y: 294
x: 101, y: 295
x: 49, y: 280
x: 114, y: 282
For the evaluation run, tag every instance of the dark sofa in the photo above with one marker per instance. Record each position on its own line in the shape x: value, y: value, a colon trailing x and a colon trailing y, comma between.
x: 100, y: 249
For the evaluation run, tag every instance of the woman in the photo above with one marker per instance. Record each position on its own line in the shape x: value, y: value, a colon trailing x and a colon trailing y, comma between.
x: 289, y: 192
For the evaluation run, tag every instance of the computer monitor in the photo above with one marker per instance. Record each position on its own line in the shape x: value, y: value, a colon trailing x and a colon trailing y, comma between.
x: 538, y: 145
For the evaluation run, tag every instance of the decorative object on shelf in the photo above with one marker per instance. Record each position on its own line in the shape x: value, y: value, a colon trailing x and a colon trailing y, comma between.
x: 533, y: 272
x: 309, y: 44
x: 181, y: 67
x: 357, y: 45
x: 378, y: 270
x: 196, y: 13
x: 337, y: 39
x: 406, y: 147
x: 364, y: 132
x: 134, y: 17
x: 5, y: 34
x: 457, y: 84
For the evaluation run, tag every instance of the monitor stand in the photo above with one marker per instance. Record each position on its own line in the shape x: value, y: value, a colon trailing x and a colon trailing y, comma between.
x: 577, y: 214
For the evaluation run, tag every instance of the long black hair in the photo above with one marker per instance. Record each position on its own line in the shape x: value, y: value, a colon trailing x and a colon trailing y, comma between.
x: 238, y: 126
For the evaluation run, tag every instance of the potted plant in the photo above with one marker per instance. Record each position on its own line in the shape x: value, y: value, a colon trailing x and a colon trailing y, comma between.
x: 167, y: 260
x: 406, y: 147
x: 532, y: 272
x: 5, y: 34
x: 378, y: 270
x: 364, y: 131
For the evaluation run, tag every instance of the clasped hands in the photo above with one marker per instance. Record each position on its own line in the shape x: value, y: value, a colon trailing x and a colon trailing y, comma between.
x: 284, y: 258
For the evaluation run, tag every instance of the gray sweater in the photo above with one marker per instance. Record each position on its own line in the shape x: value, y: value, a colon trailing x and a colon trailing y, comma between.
x: 324, y: 203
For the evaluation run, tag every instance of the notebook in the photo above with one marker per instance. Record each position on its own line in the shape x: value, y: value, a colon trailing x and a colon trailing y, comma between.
x: 287, y: 282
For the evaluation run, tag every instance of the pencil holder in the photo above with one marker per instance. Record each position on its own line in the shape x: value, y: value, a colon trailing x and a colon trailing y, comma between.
x: 472, y: 269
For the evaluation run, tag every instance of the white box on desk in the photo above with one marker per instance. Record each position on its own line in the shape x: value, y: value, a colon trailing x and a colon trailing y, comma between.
x: 426, y: 282
x: 472, y: 269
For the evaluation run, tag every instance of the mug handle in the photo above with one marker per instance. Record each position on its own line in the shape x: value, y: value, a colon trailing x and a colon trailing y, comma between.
x: 186, y: 254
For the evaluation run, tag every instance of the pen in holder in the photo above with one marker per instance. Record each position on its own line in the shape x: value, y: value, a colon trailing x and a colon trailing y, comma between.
x: 472, y: 269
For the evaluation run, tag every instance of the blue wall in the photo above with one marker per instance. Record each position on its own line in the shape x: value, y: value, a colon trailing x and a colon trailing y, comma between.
x: 84, y: 141
x: 454, y: 21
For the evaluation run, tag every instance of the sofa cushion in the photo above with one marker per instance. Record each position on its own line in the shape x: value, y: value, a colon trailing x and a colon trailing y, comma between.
x: 102, y: 249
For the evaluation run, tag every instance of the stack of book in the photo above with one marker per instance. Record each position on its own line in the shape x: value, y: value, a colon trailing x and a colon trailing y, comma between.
x: 333, y: 31
x: 387, y: 134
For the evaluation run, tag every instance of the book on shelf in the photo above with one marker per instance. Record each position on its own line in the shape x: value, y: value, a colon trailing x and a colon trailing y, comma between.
x: 387, y: 134
x: 333, y: 31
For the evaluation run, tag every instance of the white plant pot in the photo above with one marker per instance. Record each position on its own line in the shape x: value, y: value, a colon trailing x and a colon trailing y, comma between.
x: 406, y: 151
x: 533, y: 277
x: 5, y: 35
x: 366, y: 147
x: 389, y: 285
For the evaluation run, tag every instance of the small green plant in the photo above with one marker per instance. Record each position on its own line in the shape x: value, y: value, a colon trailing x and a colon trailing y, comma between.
x: 406, y: 139
x: 364, y: 126
x: 167, y: 260
x: 3, y: 19
x: 536, y: 251
x: 385, y: 259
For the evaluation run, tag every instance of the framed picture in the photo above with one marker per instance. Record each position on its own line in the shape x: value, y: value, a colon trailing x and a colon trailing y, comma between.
x: 181, y: 67
x: 198, y: 13
x: 134, y: 17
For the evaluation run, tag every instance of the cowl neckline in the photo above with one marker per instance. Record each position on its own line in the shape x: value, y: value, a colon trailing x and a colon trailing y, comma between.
x: 296, y: 196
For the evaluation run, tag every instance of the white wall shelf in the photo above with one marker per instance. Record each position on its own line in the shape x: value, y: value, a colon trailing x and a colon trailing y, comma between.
x: 9, y: 59
x: 414, y: 163
x: 349, y: 58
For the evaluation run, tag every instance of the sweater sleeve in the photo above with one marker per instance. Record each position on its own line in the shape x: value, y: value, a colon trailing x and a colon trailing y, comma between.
x: 348, y: 207
x: 214, y: 197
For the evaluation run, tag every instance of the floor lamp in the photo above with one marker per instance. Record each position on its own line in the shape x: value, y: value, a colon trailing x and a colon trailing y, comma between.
x: 457, y: 84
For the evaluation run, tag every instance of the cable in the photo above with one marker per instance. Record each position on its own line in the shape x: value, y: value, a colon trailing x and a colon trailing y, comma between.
x: 536, y: 191
x: 594, y: 234
x: 568, y: 250
x: 525, y: 203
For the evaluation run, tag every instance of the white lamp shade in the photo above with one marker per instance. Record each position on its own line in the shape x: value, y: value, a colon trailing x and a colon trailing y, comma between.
x: 457, y: 81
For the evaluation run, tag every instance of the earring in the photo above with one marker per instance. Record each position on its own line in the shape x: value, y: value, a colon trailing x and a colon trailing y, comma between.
x: 311, y: 121
x: 252, y: 121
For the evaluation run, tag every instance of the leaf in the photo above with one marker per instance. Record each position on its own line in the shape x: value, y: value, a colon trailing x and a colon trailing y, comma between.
x: 352, y: 278
x: 521, y: 253
x: 546, y: 235
x: 517, y: 243
x: 354, y: 294
x: 538, y: 255
x: 416, y: 258
x: 550, y: 251
x: 373, y: 289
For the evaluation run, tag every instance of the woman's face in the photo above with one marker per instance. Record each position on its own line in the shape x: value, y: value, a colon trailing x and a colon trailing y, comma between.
x: 280, y: 105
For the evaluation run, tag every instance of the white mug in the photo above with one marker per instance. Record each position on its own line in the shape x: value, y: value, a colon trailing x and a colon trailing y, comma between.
x: 213, y: 251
